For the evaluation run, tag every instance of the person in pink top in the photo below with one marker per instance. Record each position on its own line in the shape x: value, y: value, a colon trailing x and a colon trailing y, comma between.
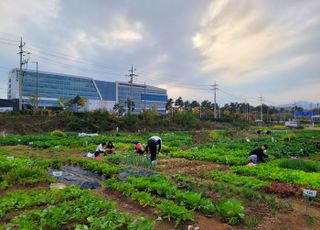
x: 138, y: 147
x: 97, y: 156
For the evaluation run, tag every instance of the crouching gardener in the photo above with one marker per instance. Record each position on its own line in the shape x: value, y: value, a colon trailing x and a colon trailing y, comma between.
x: 152, y: 147
x: 258, y: 155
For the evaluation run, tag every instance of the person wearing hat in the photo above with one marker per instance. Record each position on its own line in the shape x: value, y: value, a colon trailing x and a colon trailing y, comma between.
x: 138, y: 147
x: 258, y: 155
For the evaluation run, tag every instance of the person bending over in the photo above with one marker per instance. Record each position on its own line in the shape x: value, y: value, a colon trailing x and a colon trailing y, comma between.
x: 258, y: 155
x: 153, y: 142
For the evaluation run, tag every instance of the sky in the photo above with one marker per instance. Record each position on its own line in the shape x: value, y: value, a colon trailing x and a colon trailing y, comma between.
x: 250, y: 48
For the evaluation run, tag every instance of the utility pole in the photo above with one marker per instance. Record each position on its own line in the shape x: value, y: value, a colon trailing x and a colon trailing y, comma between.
x: 247, y: 110
x: 261, y: 114
x: 145, y: 92
x: 215, y: 88
x: 131, y: 75
x: 37, y: 83
x: 200, y: 110
x: 22, y: 62
x: 318, y: 108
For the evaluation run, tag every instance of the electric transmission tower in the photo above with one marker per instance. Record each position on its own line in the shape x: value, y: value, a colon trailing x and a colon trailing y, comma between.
x: 215, y: 88
x: 131, y: 75
x: 261, y: 114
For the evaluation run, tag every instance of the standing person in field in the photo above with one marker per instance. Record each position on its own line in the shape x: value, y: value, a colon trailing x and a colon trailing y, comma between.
x: 258, y: 155
x: 110, y: 147
x: 153, y: 142
x: 138, y: 147
x: 101, y: 148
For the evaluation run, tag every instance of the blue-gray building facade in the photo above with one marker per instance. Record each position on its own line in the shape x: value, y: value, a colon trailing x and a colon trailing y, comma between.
x: 50, y: 87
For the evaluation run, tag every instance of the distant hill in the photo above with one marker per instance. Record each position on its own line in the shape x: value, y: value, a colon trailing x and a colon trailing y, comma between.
x: 306, y: 105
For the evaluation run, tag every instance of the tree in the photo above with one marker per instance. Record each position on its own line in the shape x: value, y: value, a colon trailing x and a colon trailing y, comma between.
x: 130, y: 105
x: 34, y: 101
x: 194, y: 104
x: 169, y: 105
x: 65, y: 103
x: 118, y: 109
x: 179, y: 103
x: 79, y: 102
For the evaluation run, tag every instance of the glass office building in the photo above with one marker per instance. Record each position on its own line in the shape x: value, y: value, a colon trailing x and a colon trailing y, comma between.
x: 50, y: 87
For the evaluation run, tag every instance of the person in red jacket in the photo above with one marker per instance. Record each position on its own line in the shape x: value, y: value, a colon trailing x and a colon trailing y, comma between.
x: 97, y: 156
x: 138, y: 147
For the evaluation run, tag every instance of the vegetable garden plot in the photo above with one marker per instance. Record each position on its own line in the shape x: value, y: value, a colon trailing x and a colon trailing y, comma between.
x: 70, y: 206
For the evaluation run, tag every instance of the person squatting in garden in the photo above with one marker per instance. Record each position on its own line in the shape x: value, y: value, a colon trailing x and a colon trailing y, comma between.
x: 101, y: 148
x: 110, y: 148
x: 97, y: 156
x: 258, y: 155
x: 152, y: 147
x: 138, y: 147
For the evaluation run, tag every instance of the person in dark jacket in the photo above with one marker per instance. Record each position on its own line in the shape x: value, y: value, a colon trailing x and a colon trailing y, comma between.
x: 153, y: 142
x: 258, y: 155
x: 110, y: 148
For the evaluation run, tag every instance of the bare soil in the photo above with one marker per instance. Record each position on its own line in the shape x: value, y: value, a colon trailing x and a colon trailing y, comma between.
x: 193, y: 168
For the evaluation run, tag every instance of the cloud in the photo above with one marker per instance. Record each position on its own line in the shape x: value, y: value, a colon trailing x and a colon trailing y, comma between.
x: 15, y: 15
x: 246, y: 42
x: 122, y: 31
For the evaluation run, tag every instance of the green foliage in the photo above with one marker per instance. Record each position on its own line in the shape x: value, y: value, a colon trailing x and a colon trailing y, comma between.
x: 57, y: 133
x: 26, y: 175
x: 215, y: 135
x: 144, y: 198
x: 271, y: 172
x: 289, y: 137
x: 307, y: 166
x: 94, y: 166
x: 22, y: 172
x: 53, y: 217
x: 231, y: 210
x: 22, y: 199
x: 230, y: 178
x: 137, y: 160
x: 115, y: 159
x: 279, y: 127
x: 115, y: 220
x: 169, y: 210
x: 185, y: 119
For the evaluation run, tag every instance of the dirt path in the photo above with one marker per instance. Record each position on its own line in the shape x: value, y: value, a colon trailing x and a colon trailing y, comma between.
x: 187, y: 167
x: 296, y: 220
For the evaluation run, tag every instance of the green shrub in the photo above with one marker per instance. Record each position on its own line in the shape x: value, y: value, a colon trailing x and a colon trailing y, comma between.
x: 279, y: 127
x: 214, y: 134
x: 57, y: 133
x: 289, y: 137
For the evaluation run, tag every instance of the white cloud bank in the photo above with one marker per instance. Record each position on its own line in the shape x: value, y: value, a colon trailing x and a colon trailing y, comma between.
x: 246, y: 41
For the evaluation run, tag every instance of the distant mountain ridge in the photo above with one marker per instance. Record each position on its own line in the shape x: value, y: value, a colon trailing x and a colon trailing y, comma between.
x: 306, y: 105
